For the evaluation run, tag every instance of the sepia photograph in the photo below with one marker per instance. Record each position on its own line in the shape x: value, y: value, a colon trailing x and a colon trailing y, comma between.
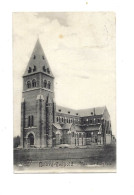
x: 64, y: 92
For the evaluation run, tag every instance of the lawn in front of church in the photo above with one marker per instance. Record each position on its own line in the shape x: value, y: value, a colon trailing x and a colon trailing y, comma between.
x: 64, y: 158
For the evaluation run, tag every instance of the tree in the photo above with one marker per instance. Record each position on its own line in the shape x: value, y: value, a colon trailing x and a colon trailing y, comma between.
x: 16, y: 141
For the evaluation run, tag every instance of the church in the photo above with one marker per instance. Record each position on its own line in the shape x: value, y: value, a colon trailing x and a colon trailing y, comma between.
x: 44, y: 124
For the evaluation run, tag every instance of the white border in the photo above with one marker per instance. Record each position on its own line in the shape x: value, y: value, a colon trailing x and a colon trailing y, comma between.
x: 106, y: 183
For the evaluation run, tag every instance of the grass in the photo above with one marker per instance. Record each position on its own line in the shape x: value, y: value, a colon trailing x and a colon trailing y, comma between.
x: 106, y: 154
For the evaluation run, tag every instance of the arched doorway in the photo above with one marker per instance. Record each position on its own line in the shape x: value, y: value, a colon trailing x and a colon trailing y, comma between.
x: 31, y: 139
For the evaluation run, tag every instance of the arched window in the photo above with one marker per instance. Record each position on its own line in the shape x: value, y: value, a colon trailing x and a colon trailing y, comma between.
x: 72, y: 134
x: 28, y: 84
x: 28, y: 121
x: 62, y: 120
x: 32, y: 121
x: 29, y: 70
x: 44, y: 69
x: 45, y: 83
x: 34, y: 69
x: 34, y: 83
x: 57, y: 119
x: 98, y: 120
x: 48, y: 70
x: 49, y: 84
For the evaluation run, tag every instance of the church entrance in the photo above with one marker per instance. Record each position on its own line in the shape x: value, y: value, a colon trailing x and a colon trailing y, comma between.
x: 31, y: 139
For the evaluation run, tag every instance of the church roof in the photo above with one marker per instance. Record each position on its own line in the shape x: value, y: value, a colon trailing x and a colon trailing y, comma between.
x: 81, y: 112
x: 77, y: 128
x: 61, y: 109
x: 67, y: 126
x: 57, y: 126
x: 37, y: 61
x: 91, y: 111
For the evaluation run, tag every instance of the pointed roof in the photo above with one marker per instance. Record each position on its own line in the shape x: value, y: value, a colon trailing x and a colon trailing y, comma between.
x: 57, y: 126
x: 91, y: 111
x: 67, y: 125
x: 81, y: 112
x: 37, y: 61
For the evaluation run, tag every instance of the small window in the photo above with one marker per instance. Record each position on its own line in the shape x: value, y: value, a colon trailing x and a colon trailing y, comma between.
x: 68, y: 112
x: 59, y: 110
x: 43, y: 57
x: 91, y: 113
x: 89, y: 134
x: 79, y: 135
x: 90, y: 121
x: 48, y: 70
x: 34, y: 69
x: 76, y: 113
x: 34, y: 57
x: 34, y: 83
x: 28, y: 84
x: 44, y: 69
x: 29, y: 70
x: 49, y: 84
x: 28, y: 121
x: 98, y: 120
x: 62, y: 120
x: 32, y: 121
x: 67, y: 120
x: 57, y: 119
x: 72, y: 134
x: 45, y: 83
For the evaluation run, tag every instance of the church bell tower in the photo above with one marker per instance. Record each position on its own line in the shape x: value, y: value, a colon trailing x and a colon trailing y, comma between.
x: 37, y: 113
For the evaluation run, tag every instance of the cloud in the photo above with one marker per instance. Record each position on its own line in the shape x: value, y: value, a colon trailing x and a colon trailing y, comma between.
x: 60, y: 16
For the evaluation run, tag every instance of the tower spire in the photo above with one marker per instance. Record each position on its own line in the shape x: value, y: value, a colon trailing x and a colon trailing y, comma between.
x: 38, y: 62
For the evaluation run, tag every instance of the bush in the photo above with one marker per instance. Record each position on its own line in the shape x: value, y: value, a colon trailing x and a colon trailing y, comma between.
x: 16, y: 141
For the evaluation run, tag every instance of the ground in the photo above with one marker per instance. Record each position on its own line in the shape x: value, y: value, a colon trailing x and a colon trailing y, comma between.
x: 82, y: 159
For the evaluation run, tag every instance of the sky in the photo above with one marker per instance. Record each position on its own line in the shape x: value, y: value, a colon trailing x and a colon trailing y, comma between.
x: 80, y: 48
